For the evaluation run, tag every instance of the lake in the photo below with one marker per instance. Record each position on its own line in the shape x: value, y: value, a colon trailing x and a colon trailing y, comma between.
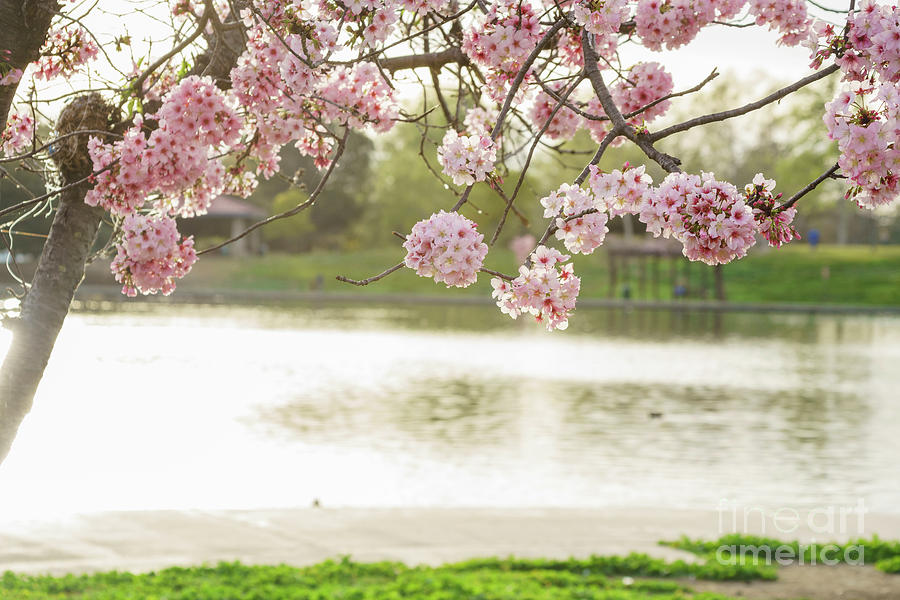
x: 148, y: 406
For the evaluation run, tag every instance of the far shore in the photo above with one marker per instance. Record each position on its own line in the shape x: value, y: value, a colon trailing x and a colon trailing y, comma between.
x: 92, y: 296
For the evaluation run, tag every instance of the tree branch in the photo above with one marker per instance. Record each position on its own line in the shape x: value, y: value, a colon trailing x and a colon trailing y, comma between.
x: 811, y: 186
x: 432, y: 60
x: 372, y: 279
x: 743, y: 110
x: 297, y: 209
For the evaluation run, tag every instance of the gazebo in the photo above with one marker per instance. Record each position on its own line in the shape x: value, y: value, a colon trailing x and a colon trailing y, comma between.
x: 227, y: 217
x: 647, y: 254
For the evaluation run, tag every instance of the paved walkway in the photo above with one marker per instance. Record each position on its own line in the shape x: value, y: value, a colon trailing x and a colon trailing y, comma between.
x: 140, y: 541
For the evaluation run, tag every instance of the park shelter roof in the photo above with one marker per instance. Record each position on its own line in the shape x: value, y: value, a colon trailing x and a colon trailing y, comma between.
x: 231, y: 207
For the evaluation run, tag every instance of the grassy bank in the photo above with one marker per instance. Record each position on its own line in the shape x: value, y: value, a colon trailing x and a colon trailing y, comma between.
x: 796, y: 274
x: 595, y: 578
x: 631, y: 577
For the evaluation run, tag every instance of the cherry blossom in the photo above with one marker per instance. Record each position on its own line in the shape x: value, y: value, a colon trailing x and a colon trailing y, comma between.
x: 707, y: 216
x: 66, y: 49
x: 501, y: 40
x: 547, y: 289
x: 18, y: 134
x: 788, y: 17
x: 774, y: 220
x: 446, y: 246
x: 645, y: 83
x: 601, y: 17
x: 195, y: 122
x: 620, y: 192
x: 479, y: 121
x: 150, y: 257
x: 466, y: 159
x: 578, y: 223
x: 866, y: 126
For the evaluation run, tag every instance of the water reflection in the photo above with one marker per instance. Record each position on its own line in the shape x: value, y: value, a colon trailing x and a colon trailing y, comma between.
x: 224, y: 407
x: 766, y: 444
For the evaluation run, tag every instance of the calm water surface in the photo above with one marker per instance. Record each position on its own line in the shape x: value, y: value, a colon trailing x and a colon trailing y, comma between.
x: 148, y: 407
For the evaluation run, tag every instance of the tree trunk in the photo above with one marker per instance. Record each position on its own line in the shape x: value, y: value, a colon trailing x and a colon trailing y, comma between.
x: 23, y: 30
x: 59, y: 272
x: 75, y: 224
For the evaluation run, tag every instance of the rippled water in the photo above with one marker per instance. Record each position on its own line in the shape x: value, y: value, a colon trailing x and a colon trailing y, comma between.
x: 147, y: 407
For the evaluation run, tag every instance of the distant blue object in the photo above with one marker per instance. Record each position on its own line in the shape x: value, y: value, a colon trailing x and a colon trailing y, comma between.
x: 813, y: 237
x: 680, y: 291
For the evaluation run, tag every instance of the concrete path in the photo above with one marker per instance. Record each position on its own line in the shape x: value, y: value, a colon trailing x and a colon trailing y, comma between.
x: 140, y: 541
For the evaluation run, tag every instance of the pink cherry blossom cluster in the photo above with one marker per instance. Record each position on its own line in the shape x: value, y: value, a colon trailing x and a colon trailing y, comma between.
x: 601, y: 17
x: 371, y: 20
x: 479, y: 121
x: 581, y: 228
x: 8, y: 74
x: 66, y: 49
x: 564, y: 123
x: 150, y: 257
x: 18, y: 134
x: 359, y: 96
x: 571, y: 54
x: 10, y: 77
x: 196, y: 121
x: 379, y: 24
x: 874, y: 39
x: 423, y: 6
x: 866, y: 125
x: 467, y: 159
x: 547, y: 289
x: 290, y: 94
x: 261, y: 79
x: 502, y: 39
x: 865, y: 119
x: 667, y: 23
x: 446, y: 246
x: 302, y: 52
x: 620, y: 192
x: 774, y: 221
x: 646, y: 83
x: 674, y: 23
x: 788, y: 17
x: 709, y: 217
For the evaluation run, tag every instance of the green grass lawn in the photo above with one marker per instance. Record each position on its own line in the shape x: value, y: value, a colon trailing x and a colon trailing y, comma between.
x: 596, y: 578
x: 632, y: 577
x: 798, y: 274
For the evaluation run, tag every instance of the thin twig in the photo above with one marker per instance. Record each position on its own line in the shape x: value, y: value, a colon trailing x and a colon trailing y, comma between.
x: 811, y: 186
x: 297, y: 209
x: 372, y: 279
x: 497, y: 274
x: 514, y: 88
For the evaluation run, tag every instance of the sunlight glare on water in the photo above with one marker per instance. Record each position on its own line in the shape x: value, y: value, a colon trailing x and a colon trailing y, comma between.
x: 216, y: 407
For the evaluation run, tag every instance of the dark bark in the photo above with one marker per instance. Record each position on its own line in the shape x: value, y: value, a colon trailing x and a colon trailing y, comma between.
x: 23, y: 30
